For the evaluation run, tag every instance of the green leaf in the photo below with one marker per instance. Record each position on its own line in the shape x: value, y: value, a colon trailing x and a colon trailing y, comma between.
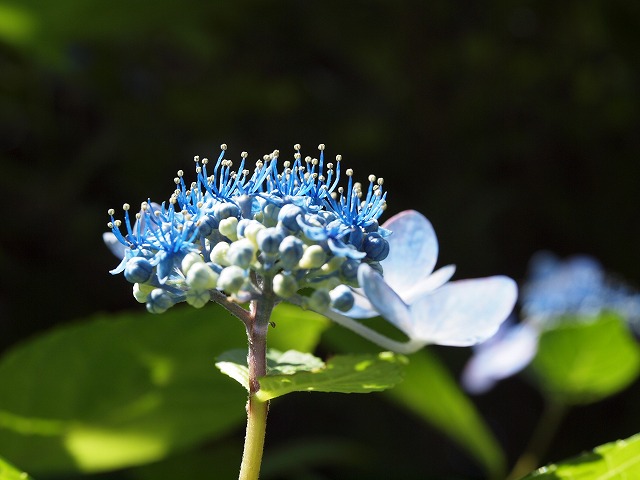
x: 118, y: 390
x: 613, y: 461
x: 581, y: 362
x: 293, y: 371
x: 9, y: 472
x: 430, y: 391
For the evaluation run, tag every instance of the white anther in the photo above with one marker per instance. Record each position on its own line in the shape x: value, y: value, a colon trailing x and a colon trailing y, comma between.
x: 176, y: 180
x: 330, y: 166
x: 244, y: 154
x: 297, y: 146
x: 196, y: 158
x: 349, y: 172
x: 338, y: 158
x: 111, y: 212
x: 321, y: 147
x: 307, y: 159
x: 223, y: 146
x: 297, y: 156
x: 205, y: 161
x: 380, y: 181
x: 110, y: 225
x: 276, y: 153
x: 372, y: 178
x: 126, y: 207
x: 180, y: 173
x: 118, y: 223
x: 315, y: 161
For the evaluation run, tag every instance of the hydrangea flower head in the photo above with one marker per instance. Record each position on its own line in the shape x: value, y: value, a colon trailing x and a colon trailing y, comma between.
x: 242, y: 234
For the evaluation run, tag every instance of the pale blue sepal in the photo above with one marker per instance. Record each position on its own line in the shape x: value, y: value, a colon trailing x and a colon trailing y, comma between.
x: 463, y: 313
x: 433, y: 281
x: 384, y: 299
x: 413, y: 250
x: 503, y: 355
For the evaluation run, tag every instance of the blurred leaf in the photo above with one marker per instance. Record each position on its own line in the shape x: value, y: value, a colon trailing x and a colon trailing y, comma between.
x: 222, y: 458
x: 293, y: 371
x: 9, y: 472
x: 431, y: 392
x: 296, y: 328
x: 582, y: 362
x: 118, y: 390
x: 16, y: 24
x: 613, y: 461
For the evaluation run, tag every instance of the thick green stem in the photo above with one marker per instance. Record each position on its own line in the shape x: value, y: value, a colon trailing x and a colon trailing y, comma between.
x: 540, y: 439
x: 257, y: 361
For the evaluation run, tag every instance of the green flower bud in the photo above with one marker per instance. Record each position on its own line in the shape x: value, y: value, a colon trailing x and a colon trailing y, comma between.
x: 313, y: 257
x: 231, y: 279
x: 251, y: 232
x: 219, y: 254
x: 229, y: 228
x: 189, y: 260
x: 201, y: 277
x: 141, y: 292
x: 284, y: 285
x: 198, y: 298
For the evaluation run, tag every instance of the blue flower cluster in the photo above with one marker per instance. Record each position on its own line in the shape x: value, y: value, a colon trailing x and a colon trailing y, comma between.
x: 274, y: 230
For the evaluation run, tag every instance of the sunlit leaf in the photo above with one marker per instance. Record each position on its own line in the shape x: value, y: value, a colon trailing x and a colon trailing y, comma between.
x: 431, y: 392
x: 613, y: 461
x: 585, y: 361
x: 117, y: 391
x: 9, y: 472
x: 293, y: 371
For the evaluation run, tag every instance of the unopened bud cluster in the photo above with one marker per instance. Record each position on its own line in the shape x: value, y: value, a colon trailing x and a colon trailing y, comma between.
x: 275, y: 230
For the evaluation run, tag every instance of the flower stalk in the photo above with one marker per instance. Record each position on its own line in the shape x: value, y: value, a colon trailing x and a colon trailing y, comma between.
x: 257, y: 410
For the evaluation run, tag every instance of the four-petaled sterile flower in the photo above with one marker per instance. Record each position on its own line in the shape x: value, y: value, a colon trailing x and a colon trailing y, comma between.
x: 422, y: 303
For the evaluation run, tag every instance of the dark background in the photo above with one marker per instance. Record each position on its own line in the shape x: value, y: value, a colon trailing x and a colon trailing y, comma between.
x: 512, y: 125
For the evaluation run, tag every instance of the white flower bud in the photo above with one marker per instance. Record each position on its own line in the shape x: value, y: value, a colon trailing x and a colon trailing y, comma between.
x: 201, y: 277
x: 313, y: 257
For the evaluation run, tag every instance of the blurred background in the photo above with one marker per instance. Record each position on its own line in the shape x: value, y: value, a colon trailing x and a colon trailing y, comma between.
x: 512, y: 125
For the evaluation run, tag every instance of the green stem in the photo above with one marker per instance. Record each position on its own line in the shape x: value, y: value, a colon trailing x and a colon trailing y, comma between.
x: 257, y: 361
x: 540, y: 439
x: 254, y: 438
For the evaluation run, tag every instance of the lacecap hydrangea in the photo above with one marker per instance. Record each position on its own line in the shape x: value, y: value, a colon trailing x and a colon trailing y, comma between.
x: 240, y: 234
